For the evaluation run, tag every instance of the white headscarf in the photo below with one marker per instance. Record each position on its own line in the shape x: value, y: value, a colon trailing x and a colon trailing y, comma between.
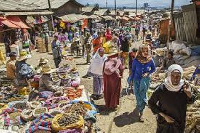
x: 168, y: 84
x: 96, y: 66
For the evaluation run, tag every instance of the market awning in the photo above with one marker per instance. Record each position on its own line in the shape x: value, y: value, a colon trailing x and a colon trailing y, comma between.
x: 125, y: 18
x: 73, y: 18
x: 6, y: 22
x: 17, y: 21
x: 108, y: 18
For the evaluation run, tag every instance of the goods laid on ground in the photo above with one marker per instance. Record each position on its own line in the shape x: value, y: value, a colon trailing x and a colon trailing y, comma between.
x: 193, y: 118
x: 47, y: 112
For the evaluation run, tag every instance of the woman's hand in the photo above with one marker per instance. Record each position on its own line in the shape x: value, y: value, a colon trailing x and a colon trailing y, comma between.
x: 145, y: 74
x: 187, y: 90
x: 167, y: 118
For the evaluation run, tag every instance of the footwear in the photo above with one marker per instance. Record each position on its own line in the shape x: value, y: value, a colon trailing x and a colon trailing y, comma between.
x: 141, y: 118
x: 85, y: 76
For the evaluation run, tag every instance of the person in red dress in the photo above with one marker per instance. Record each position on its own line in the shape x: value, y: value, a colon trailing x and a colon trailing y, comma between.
x: 112, y: 82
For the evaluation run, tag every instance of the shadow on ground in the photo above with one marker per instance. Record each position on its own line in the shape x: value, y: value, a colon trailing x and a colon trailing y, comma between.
x: 127, y: 118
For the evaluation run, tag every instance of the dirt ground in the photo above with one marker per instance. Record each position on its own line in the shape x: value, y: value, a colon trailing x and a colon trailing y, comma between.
x: 125, y: 119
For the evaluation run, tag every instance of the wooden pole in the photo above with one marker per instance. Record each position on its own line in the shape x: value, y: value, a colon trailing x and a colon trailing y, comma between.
x: 115, y: 7
x: 52, y: 23
x: 136, y: 8
x: 106, y: 4
x: 170, y: 26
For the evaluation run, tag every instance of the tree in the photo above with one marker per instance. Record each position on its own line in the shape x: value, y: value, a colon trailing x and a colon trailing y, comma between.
x: 96, y: 6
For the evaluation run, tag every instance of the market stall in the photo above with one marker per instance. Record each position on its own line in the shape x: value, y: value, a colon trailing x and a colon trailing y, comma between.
x: 33, y: 111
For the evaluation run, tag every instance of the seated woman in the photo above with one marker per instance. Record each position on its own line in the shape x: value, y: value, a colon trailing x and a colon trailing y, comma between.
x: 46, y: 82
x: 196, y: 76
x: 42, y: 62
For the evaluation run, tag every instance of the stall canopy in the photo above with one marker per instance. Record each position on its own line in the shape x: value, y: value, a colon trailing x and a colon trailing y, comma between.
x: 73, y: 18
x: 17, y: 21
x: 6, y: 22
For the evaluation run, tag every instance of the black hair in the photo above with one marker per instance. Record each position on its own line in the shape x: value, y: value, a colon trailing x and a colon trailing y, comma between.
x: 171, y: 52
x: 134, y: 50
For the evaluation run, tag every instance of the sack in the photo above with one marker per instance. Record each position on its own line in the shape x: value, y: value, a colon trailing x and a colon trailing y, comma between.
x: 25, y: 71
x: 56, y: 127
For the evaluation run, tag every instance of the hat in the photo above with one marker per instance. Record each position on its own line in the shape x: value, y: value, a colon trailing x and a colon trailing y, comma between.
x: 46, y: 69
x: 43, y: 61
x: 12, y: 54
x: 22, y: 55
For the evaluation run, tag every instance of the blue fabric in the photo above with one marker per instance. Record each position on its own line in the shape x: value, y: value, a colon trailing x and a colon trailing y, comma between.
x: 140, y: 91
x: 138, y: 69
x: 197, y: 71
x: 195, y: 51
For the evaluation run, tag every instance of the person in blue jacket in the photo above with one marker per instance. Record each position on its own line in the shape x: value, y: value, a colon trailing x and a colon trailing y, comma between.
x: 196, y: 72
x: 143, y: 66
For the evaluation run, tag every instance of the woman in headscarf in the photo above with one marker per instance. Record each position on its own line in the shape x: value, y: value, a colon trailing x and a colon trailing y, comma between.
x: 96, y: 71
x: 108, y: 35
x: 142, y: 67
x: 169, y: 102
x: 112, y: 81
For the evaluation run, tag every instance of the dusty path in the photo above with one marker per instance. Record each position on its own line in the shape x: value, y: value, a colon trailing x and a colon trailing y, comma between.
x: 125, y: 119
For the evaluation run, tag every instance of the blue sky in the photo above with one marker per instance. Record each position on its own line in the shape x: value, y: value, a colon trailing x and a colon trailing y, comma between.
x: 140, y: 2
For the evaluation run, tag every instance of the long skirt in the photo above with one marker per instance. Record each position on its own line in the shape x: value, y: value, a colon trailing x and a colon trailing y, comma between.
x: 140, y: 91
x: 97, y: 85
x: 112, y: 87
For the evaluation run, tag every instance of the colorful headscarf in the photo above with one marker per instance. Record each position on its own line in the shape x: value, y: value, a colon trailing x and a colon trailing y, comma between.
x: 168, y: 83
x: 140, y: 57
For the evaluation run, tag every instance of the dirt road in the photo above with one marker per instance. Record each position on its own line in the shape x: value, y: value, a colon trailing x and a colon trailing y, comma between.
x: 124, y: 120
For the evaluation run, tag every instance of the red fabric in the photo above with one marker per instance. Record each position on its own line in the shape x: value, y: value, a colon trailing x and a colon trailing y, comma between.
x: 112, y: 89
x: 4, y: 21
x: 17, y: 21
x: 108, y: 35
x: 96, y: 44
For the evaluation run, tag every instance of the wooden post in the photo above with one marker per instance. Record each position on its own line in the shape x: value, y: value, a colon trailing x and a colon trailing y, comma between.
x: 170, y: 26
x: 52, y: 23
x: 136, y: 8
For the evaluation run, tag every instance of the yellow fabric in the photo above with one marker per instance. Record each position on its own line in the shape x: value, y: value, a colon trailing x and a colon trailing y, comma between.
x: 57, y: 127
x: 62, y: 24
x: 2, y: 58
x: 10, y: 69
x: 107, y: 47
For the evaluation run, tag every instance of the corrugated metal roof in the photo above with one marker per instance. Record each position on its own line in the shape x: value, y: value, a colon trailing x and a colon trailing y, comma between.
x: 108, y: 18
x: 88, y: 9
x: 31, y: 4
x: 73, y: 18
x: 16, y: 5
x: 101, y: 12
x: 28, y: 13
x: 43, y: 4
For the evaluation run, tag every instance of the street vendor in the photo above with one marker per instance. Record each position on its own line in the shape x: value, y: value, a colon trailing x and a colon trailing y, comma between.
x: 46, y: 83
x: 42, y: 62
x: 10, y: 66
x: 168, y: 61
x: 56, y: 51
x: 196, y: 76
x: 24, y: 71
x: 169, y: 102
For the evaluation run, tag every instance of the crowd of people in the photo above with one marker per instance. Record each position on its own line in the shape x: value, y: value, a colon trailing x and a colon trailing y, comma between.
x: 168, y: 102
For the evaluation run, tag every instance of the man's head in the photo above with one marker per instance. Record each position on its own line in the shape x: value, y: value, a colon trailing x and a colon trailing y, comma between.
x: 13, y: 56
x: 56, y: 37
x: 170, y: 54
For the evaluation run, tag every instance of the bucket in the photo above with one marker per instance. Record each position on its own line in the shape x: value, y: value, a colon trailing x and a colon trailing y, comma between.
x: 14, y: 48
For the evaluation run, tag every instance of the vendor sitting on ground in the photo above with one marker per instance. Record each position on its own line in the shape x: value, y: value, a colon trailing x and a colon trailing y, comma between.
x: 42, y: 62
x: 196, y: 76
x: 10, y: 66
x: 168, y: 61
x: 24, y: 71
x: 46, y: 83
